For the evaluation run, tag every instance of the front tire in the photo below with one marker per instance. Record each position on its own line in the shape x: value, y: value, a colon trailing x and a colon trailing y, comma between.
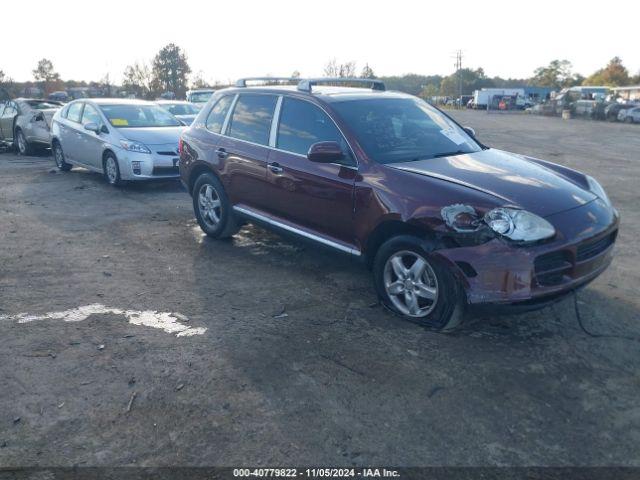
x: 111, y: 170
x: 58, y: 156
x: 416, y: 285
x: 24, y: 147
x: 212, y: 207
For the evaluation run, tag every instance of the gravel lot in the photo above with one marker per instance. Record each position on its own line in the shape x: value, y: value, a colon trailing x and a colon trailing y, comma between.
x: 298, y: 365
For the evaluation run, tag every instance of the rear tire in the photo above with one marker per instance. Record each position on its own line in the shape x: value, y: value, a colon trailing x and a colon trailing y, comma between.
x: 111, y: 170
x: 58, y: 156
x: 628, y: 120
x: 212, y: 207
x: 24, y: 147
x: 416, y: 285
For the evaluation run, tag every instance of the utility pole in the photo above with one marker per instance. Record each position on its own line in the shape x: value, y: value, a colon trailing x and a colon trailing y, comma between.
x: 459, y: 74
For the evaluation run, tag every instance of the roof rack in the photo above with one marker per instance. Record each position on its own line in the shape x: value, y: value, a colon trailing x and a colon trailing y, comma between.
x: 307, y: 84
x: 242, y: 82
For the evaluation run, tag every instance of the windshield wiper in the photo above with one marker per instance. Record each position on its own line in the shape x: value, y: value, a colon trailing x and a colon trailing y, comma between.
x: 449, y: 154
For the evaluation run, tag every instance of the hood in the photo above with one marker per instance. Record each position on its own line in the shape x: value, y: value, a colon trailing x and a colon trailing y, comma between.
x: 153, y: 135
x: 508, y: 176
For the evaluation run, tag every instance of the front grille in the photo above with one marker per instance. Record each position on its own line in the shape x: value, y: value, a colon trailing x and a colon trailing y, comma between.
x: 551, y: 267
x: 166, y: 171
x: 592, y: 248
x: 168, y: 153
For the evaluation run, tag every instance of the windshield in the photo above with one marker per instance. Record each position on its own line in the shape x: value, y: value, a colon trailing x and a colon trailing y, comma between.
x: 200, y: 97
x: 128, y: 116
x: 180, y: 108
x: 393, y: 130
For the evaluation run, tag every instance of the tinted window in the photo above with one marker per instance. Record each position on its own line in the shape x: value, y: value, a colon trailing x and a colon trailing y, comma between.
x: 74, y: 112
x: 218, y: 113
x: 303, y: 124
x: 251, y: 119
x: 403, y: 129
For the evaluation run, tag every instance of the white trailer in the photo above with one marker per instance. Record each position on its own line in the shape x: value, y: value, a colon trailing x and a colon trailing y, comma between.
x: 483, y: 97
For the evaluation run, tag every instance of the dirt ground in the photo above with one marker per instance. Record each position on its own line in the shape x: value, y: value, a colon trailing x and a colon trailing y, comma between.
x: 297, y: 366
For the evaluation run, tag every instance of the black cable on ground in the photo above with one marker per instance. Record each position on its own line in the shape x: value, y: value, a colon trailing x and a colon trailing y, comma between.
x: 591, y: 334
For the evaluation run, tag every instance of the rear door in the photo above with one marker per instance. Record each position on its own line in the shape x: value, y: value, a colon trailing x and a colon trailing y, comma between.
x: 245, y: 149
x: 317, y: 196
x: 70, y: 132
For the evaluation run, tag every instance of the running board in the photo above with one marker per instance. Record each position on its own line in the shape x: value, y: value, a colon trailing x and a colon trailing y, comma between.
x: 303, y: 233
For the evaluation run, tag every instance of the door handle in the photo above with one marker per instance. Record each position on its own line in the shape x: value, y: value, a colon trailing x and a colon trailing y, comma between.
x: 275, y: 167
x: 222, y: 153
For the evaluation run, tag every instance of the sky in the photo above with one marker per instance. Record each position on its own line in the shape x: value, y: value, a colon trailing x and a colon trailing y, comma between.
x: 231, y: 39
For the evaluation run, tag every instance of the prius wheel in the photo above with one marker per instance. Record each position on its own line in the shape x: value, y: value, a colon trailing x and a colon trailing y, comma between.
x: 111, y: 170
x: 414, y: 284
x: 212, y: 208
x: 24, y: 148
x: 58, y: 156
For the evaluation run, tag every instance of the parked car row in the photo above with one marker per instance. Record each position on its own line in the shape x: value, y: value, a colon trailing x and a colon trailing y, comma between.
x: 444, y: 222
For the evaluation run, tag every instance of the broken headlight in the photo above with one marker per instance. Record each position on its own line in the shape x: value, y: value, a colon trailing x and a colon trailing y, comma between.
x: 518, y: 225
x: 515, y: 224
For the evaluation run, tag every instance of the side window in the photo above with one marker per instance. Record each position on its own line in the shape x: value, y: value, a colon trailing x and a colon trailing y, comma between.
x: 218, y: 114
x: 10, y: 110
x: 251, y: 119
x: 74, y: 112
x: 302, y: 124
x: 90, y: 115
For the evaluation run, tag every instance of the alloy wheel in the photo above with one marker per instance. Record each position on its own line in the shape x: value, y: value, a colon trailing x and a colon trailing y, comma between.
x: 209, y: 205
x: 411, y: 283
x: 22, y: 144
x: 58, y: 156
x: 112, y: 170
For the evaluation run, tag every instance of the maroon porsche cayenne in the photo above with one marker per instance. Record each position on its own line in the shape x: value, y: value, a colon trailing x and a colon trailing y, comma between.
x: 443, y: 221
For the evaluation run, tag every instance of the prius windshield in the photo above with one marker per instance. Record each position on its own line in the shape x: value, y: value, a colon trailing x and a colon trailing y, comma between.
x: 139, y: 116
x: 394, y: 130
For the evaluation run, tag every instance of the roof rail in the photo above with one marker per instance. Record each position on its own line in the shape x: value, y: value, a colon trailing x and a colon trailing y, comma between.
x: 307, y: 84
x: 242, y: 82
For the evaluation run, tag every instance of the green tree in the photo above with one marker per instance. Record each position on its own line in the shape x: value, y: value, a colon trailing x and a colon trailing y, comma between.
x: 170, y: 70
x: 367, y: 72
x: 469, y: 79
x: 137, y: 80
x: 411, y: 83
x: 429, y: 91
x: 45, y: 74
x: 558, y: 74
x: 615, y: 74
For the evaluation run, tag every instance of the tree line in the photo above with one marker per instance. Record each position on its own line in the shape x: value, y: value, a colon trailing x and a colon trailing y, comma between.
x: 169, y: 71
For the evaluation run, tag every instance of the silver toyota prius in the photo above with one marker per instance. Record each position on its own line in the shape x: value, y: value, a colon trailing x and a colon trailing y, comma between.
x: 123, y: 139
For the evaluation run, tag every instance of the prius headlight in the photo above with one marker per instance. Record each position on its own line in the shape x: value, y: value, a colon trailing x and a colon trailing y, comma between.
x: 597, y: 189
x: 136, y: 147
x: 518, y: 225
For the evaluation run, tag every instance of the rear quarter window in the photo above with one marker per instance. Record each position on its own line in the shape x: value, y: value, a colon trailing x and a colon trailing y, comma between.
x: 251, y: 118
x: 218, y: 113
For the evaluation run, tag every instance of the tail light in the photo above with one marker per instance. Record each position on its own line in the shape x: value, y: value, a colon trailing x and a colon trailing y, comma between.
x: 180, y: 146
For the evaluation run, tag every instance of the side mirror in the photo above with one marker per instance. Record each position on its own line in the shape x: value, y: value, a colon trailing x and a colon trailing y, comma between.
x: 38, y: 117
x: 92, y: 127
x: 470, y: 131
x: 325, y: 152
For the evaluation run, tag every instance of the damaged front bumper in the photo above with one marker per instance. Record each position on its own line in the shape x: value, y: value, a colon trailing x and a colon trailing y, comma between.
x: 500, y: 273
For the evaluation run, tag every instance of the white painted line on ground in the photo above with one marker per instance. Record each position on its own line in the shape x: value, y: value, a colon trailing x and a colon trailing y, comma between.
x: 165, y: 321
